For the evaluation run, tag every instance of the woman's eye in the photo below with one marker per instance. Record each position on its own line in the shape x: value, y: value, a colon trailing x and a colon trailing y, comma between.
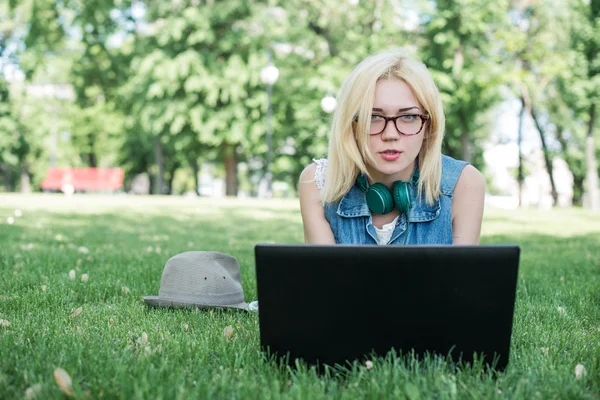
x: 375, y: 117
x: 408, y: 117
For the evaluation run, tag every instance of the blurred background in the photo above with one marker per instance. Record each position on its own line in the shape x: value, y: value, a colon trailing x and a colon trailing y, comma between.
x: 234, y: 97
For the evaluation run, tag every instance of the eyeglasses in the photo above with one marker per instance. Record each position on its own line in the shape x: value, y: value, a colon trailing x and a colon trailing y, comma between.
x: 406, y: 124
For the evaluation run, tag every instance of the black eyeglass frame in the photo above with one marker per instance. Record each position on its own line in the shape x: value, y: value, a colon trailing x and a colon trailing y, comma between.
x: 423, y: 117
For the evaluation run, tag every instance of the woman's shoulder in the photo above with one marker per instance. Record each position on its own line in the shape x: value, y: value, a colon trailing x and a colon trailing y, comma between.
x: 457, y: 171
x: 451, y: 171
x: 316, y: 172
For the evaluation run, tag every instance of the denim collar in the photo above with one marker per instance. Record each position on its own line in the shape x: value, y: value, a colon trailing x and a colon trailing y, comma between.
x: 354, y: 204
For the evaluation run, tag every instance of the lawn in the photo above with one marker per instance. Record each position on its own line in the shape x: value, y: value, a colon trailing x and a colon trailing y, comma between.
x: 112, y: 346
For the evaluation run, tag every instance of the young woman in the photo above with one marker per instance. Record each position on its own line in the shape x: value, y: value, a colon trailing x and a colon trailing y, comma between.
x: 385, y: 180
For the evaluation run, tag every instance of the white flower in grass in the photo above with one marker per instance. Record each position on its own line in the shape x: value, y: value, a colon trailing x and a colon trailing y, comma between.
x: 44, y: 287
x: 369, y: 364
x: 85, y: 277
x: 580, y: 371
x: 149, y: 249
x: 186, y: 327
x: 33, y: 392
x: 544, y: 350
x: 72, y: 274
x: 63, y: 380
x: 10, y: 220
x: 562, y: 278
x: 143, y: 339
x: 83, y: 250
x: 58, y: 237
x: 561, y: 310
x: 4, y: 323
x: 157, y: 250
x: 18, y: 213
x: 125, y: 289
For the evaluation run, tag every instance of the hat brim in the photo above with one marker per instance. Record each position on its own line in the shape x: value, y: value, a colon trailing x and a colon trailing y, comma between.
x: 156, y: 301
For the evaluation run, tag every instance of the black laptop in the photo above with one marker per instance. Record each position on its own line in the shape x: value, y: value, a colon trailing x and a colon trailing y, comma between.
x: 334, y: 304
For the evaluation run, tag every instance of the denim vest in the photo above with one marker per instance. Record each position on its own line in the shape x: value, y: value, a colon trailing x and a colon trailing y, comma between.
x: 351, y: 221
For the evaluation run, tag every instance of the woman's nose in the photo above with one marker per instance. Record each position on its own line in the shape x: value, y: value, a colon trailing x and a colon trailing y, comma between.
x: 390, y: 132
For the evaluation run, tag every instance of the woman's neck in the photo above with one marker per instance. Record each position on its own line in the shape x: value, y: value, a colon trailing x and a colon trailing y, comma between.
x: 388, y: 180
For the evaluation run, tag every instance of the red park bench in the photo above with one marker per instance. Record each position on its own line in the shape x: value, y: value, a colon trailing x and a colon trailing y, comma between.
x: 84, y: 179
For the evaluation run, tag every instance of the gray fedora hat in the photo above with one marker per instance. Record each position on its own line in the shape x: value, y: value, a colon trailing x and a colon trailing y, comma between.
x: 200, y: 279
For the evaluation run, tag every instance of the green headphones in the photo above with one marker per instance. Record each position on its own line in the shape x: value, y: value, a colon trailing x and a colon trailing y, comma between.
x: 381, y: 200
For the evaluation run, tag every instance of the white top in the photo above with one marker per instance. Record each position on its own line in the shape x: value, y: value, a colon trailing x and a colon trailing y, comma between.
x: 384, y: 233
x: 320, y: 172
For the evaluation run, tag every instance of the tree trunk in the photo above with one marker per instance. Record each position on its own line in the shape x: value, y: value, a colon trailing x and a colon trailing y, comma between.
x: 160, y: 163
x: 590, y: 163
x: 465, y: 141
x: 520, y: 177
x: 92, y: 162
x: 467, y: 154
x: 546, y: 154
x: 25, y: 180
x: 230, y: 161
x: 5, y: 171
x: 572, y: 164
x: 174, y: 169
x: 196, y: 171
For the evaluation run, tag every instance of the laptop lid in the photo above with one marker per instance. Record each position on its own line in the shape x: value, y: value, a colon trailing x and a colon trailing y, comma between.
x: 330, y: 304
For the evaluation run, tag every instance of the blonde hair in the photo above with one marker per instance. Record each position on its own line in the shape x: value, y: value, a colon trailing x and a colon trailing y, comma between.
x: 348, y: 143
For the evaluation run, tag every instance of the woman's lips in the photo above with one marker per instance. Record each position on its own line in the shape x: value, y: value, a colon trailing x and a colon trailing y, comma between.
x: 390, y: 155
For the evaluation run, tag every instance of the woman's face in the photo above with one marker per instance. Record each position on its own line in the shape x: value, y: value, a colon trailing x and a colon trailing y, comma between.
x: 394, y: 153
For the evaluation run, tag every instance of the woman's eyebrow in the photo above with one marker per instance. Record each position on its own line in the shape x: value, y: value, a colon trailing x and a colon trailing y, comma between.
x: 400, y: 110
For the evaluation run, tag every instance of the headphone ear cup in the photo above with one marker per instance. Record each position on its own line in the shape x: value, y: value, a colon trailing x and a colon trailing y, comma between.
x: 402, y: 197
x: 379, y: 199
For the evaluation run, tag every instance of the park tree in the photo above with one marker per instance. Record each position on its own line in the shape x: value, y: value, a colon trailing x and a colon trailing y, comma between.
x: 550, y: 77
x: 536, y: 53
x: 65, y: 49
x: 196, y: 85
x: 461, y: 50
x: 11, y: 144
x: 586, y: 45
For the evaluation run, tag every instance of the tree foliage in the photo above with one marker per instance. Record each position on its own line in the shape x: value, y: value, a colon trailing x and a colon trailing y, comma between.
x: 161, y: 87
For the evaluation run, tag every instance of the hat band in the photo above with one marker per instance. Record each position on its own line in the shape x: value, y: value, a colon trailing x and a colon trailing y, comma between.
x: 223, y: 299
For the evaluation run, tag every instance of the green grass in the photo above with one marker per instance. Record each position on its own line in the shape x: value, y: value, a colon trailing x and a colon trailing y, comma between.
x: 556, y: 325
